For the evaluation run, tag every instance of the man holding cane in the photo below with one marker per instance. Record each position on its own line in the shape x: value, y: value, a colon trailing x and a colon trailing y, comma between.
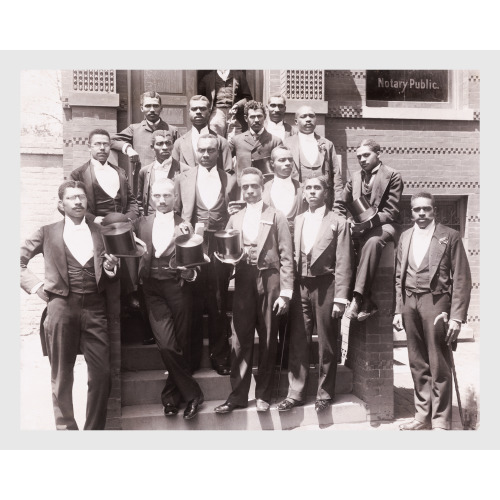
x: 433, y: 281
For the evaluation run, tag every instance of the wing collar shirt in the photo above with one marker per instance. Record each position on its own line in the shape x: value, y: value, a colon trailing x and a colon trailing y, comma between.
x: 310, y: 229
x: 223, y: 73
x: 255, y: 135
x: 251, y: 221
x: 277, y: 129
x: 369, y: 176
x: 78, y: 239
x: 283, y: 194
x: 195, y: 135
x: 107, y: 177
x: 421, y: 240
x: 163, y: 231
x: 209, y: 185
x: 162, y: 169
x: 309, y: 147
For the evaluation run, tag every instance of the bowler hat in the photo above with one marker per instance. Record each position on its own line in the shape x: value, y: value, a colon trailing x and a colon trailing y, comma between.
x: 361, y: 210
x: 189, y: 251
x: 228, y: 243
x: 118, y: 236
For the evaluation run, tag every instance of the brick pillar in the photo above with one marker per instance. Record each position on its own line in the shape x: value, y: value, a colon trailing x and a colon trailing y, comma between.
x: 90, y: 101
x: 370, y: 354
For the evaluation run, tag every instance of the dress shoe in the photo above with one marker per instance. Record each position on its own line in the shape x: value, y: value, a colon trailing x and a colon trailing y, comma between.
x: 369, y: 309
x: 221, y: 369
x: 227, y: 407
x: 414, y: 425
x: 149, y: 341
x: 322, y: 404
x: 438, y: 429
x: 170, y: 409
x: 288, y: 404
x: 354, y: 307
x: 192, y: 408
x: 262, y: 405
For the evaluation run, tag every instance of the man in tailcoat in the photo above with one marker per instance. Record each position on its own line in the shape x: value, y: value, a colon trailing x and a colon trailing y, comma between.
x: 263, y: 288
x: 77, y: 272
x: 276, y: 124
x: 168, y: 298
x: 202, y: 198
x: 433, y: 288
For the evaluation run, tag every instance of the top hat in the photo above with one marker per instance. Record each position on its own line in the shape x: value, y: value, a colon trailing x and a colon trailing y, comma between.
x: 118, y: 236
x: 264, y: 165
x: 361, y: 210
x: 228, y: 242
x: 189, y: 252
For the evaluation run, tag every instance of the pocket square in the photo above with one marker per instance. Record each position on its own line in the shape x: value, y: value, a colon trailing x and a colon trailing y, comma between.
x: 269, y: 222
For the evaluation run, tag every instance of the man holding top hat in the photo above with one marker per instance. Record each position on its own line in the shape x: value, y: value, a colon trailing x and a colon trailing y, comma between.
x: 253, y: 147
x: 323, y: 259
x: 202, y: 198
x: 263, y: 289
x: 375, y: 220
x: 433, y: 287
x: 168, y: 298
x: 77, y: 273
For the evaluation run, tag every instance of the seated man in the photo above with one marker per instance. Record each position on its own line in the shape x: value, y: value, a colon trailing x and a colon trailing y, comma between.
x: 263, y: 288
x: 383, y: 187
x: 323, y: 259
x: 185, y: 147
x: 77, y: 273
x: 168, y: 302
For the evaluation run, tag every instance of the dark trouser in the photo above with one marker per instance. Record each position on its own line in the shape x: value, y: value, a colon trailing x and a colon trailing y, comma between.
x: 372, y: 245
x: 429, y: 362
x: 75, y: 322
x: 169, y: 308
x: 254, y: 295
x: 311, y: 306
x: 210, y: 294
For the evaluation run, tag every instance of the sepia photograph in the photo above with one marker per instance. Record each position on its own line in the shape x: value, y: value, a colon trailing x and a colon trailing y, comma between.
x: 250, y: 249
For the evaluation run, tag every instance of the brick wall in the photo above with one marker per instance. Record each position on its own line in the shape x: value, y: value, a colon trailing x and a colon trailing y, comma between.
x: 370, y: 353
x: 41, y: 175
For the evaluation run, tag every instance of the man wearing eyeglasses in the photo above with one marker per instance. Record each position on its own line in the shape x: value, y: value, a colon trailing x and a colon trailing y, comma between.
x: 433, y: 287
x: 77, y: 274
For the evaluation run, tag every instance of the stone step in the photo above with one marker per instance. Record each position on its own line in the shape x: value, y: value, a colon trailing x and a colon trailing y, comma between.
x: 136, y: 356
x: 346, y: 409
x: 145, y: 386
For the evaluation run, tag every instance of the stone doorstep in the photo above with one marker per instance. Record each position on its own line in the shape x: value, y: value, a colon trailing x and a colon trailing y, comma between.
x: 145, y: 386
x: 136, y: 356
x: 346, y: 409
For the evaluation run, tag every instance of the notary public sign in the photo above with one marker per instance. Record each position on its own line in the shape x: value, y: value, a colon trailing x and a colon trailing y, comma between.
x: 407, y: 85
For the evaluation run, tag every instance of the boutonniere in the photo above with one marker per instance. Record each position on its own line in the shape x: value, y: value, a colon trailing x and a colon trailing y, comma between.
x: 322, y: 147
x: 443, y: 240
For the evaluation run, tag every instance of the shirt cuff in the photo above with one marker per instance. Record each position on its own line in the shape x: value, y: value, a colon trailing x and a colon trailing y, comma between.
x: 340, y: 300
x: 287, y: 292
x: 111, y: 273
x: 36, y: 287
x: 457, y: 320
x: 125, y: 147
x: 193, y: 278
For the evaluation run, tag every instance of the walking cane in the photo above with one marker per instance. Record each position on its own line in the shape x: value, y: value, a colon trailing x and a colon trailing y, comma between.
x: 282, y: 355
x: 444, y: 317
